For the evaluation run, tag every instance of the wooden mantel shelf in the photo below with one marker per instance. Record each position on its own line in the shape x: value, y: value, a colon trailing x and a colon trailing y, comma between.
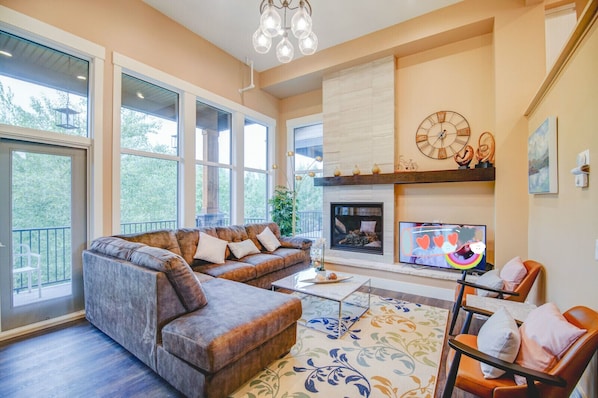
x: 411, y: 177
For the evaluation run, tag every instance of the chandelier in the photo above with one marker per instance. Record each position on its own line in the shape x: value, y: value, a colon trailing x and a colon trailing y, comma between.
x: 273, y: 25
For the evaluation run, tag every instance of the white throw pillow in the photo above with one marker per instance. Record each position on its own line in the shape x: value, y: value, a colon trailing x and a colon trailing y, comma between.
x: 500, y: 338
x: 242, y: 249
x: 489, y: 279
x: 268, y: 239
x: 210, y: 249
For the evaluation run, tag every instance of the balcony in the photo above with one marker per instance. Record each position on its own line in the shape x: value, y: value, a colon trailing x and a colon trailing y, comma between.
x: 54, y: 246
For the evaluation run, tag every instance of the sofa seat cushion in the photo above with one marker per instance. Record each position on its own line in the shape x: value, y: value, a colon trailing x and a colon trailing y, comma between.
x: 290, y: 256
x: 233, y: 270
x: 237, y: 319
x: 264, y: 263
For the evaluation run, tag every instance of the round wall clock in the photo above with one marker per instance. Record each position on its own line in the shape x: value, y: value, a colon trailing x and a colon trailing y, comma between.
x: 442, y: 134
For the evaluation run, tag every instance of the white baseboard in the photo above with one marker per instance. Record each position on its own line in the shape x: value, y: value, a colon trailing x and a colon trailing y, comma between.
x: 36, y: 327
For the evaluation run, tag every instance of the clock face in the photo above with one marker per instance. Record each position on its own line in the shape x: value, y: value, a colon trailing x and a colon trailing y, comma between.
x: 442, y: 134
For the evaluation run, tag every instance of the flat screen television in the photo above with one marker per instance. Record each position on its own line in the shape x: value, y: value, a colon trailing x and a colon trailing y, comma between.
x: 440, y: 245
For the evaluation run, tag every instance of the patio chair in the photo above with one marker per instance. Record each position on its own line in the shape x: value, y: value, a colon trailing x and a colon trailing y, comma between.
x: 24, y: 261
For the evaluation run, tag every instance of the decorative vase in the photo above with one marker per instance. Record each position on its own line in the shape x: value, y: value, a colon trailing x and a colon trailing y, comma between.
x: 376, y: 169
x: 356, y: 171
x: 337, y: 172
x: 317, y: 255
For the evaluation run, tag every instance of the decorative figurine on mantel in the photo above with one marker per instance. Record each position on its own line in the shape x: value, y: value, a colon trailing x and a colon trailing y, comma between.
x: 356, y: 171
x: 464, y: 157
x: 405, y: 165
x: 376, y: 169
x: 485, y: 152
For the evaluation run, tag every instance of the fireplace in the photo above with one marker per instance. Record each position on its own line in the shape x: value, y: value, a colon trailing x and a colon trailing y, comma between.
x: 357, y: 227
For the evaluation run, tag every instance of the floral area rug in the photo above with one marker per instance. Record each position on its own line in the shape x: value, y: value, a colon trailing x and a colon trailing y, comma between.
x: 392, y: 350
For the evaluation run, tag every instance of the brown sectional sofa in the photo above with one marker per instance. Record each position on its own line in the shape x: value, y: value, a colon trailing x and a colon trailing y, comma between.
x: 201, y: 326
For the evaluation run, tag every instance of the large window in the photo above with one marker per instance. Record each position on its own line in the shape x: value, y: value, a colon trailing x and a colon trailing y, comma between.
x: 213, y: 166
x: 42, y: 88
x: 308, y: 143
x: 149, y: 161
x: 256, y: 172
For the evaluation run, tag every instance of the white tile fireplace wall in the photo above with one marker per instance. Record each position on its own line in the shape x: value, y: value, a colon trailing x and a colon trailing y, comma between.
x: 359, y: 124
x: 359, y: 131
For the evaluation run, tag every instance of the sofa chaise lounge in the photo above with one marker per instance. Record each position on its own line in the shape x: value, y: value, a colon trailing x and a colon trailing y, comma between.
x: 201, y: 326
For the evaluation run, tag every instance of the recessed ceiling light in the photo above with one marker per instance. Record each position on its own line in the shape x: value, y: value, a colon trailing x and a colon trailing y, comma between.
x: 5, y: 53
x: 140, y: 95
x: 81, y: 77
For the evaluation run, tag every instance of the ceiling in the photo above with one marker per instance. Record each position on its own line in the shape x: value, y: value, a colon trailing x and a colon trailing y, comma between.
x: 230, y: 24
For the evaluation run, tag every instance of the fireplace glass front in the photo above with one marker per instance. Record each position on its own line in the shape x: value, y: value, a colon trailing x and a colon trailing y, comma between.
x: 357, y: 227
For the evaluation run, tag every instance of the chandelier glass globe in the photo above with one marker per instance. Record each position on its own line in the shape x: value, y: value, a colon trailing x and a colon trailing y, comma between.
x: 270, y: 21
x: 285, y: 50
x: 309, y: 44
x: 301, y: 23
x: 261, y: 42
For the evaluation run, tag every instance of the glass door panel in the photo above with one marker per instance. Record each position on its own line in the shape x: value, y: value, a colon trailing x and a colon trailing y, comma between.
x: 43, y: 231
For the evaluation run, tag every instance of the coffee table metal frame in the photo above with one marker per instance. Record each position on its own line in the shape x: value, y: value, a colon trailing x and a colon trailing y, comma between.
x: 339, y: 292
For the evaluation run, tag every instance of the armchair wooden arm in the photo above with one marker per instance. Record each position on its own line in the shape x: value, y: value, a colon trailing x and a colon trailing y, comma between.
x: 530, y: 375
x: 501, y: 293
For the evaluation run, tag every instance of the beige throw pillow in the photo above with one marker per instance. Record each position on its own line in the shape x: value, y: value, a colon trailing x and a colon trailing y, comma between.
x: 210, y: 249
x: 244, y: 248
x: 268, y: 239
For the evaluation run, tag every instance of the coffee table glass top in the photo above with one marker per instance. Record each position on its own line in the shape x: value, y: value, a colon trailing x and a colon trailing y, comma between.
x: 337, y: 291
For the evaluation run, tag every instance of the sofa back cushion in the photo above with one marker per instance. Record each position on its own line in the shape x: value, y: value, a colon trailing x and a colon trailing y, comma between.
x: 164, y: 239
x: 177, y: 271
x: 115, y: 247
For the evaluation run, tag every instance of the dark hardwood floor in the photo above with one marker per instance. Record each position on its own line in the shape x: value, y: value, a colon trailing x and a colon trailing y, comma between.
x: 77, y: 360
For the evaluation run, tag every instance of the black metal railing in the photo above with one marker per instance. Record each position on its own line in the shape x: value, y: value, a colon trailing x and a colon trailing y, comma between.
x: 53, y: 244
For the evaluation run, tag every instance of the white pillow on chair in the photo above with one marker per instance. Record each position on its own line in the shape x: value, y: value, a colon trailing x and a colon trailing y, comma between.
x: 490, y: 279
x: 499, y: 337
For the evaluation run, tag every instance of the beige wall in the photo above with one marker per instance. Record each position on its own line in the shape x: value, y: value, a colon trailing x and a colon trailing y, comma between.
x: 563, y: 227
x: 458, y: 77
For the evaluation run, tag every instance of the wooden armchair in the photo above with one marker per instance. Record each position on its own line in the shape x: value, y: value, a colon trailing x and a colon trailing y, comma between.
x: 465, y: 373
x: 519, y: 294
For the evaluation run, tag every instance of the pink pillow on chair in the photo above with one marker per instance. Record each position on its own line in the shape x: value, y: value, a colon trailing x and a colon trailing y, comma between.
x: 545, y: 336
x: 513, y: 273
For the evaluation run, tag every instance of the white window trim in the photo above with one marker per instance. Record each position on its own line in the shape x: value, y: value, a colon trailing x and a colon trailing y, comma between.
x: 187, y: 201
x: 43, y: 33
x: 292, y: 124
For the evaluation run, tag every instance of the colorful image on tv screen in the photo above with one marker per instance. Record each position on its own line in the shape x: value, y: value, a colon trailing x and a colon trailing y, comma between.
x: 453, y: 246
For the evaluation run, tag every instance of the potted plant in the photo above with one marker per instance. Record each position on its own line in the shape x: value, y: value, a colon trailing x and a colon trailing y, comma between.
x: 284, y: 206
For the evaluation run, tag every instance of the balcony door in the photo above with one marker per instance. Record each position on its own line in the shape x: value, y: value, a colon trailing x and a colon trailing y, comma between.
x: 43, y: 229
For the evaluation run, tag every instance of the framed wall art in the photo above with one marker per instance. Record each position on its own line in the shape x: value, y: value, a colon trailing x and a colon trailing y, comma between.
x: 542, y: 169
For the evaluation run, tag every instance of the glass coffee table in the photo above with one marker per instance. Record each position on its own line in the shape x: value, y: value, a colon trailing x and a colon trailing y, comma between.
x: 351, y: 293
